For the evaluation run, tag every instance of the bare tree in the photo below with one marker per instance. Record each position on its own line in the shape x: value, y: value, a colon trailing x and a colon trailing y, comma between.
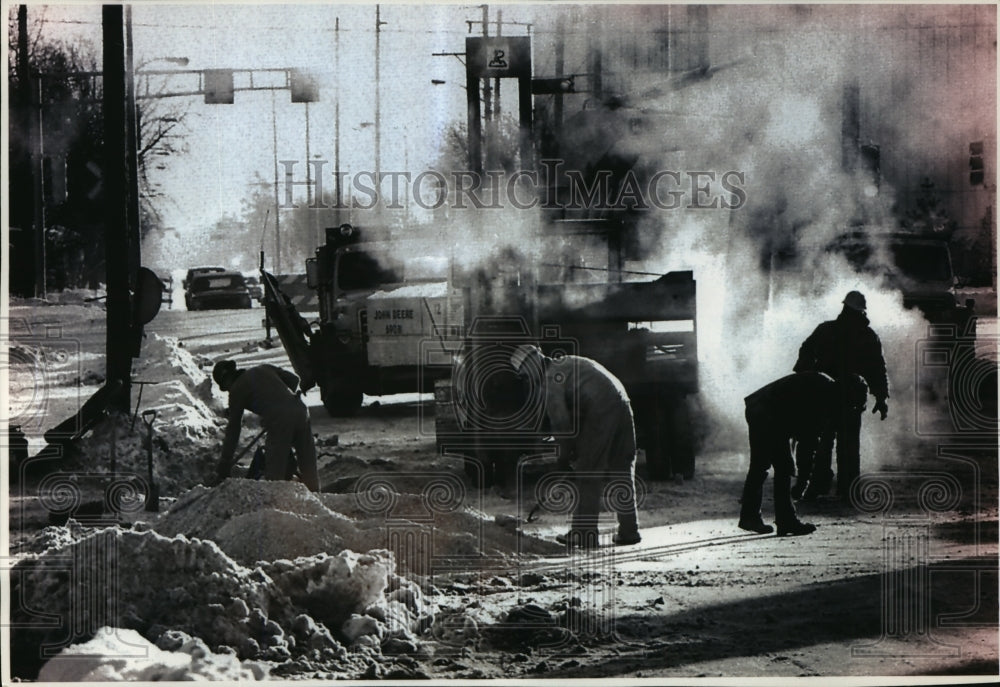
x: 62, y: 87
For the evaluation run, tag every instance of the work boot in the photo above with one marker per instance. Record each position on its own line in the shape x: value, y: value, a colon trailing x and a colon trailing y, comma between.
x: 580, y: 539
x: 626, y: 538
x: 755, y: 525
x: 795, y: 528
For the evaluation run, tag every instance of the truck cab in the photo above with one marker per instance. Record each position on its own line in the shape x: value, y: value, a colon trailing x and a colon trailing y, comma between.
x: 917, y: 265
x: 378, y: 302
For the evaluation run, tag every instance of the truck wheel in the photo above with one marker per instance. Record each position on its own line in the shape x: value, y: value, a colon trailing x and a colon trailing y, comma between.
x: 678, y: 421
x: 669, y: 438
x: 656, y: 445
x: 341, y: 398
x: 479, y: 469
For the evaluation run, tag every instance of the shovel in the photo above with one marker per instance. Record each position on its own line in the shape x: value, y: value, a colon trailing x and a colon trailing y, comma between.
x: 153, y: 492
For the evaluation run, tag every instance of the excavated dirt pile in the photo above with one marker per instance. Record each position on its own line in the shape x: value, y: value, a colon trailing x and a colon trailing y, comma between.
x: 266, y: 521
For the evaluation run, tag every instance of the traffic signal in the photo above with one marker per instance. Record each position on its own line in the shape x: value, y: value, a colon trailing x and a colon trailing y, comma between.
x: 303, y: 86
x: 219, y: 86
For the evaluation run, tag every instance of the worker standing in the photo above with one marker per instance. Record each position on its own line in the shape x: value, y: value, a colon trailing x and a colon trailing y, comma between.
x: 591, y: 418
x: 841, y: 347
x: 269, y: 392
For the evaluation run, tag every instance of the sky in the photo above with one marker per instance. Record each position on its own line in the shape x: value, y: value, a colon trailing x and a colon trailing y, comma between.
x: 229, y: 145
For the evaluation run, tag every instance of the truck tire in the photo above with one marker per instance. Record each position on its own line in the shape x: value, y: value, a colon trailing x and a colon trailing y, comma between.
x: 679, y: 421
x: 341, y: 397
x: 479, y: 469
x: 668, y: 438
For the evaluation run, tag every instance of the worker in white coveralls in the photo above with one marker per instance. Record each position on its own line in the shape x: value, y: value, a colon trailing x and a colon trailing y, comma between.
x: 269, y: 392
x: 590, y: 416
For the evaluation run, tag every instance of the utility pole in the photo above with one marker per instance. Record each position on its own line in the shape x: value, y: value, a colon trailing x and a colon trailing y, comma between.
x: 557, y: 104
x: 131, y: 154
x: 378, y: 108
x: 116, y: 235
x: 497, y: 122
x: 309, y: 196
x: 488, y: 95
x: 277, y: 202
x: 496, y: 81
x: 594, y: 40
x: 336, y: 118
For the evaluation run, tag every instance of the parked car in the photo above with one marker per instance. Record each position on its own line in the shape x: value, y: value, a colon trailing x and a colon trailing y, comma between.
x: 211, y: 290
x: 196, y: 271
x: 253, y: 285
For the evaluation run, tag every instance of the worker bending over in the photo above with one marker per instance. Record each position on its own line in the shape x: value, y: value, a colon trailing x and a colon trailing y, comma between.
x: 591, y: 418
x: 269, y: 392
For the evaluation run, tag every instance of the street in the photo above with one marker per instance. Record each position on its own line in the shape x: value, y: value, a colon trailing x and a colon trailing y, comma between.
x: 902, y: 581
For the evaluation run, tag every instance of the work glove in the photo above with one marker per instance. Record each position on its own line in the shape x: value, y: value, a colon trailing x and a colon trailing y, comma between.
x: 881, y: 407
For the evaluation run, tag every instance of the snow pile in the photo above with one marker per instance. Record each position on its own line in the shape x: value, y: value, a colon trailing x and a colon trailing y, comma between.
x: 115, y: 654
x: 185, y: 451
x: 187, y: 428
x: 149, y: 583
x: 187, y: 596
x: 164, y: 360
x: 357, y: 593
x: 267, y: 521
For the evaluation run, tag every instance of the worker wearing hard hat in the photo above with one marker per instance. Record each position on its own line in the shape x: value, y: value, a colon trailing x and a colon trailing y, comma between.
x: 591, y: 418
x: 269, y: 392
x: 841, y: 347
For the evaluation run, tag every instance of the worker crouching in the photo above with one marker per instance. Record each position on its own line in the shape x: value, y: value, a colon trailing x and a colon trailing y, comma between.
x: 269, y: 392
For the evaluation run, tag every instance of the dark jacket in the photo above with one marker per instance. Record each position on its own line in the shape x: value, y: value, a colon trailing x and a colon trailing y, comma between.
x: 801, y: 405
x: 846, y: 345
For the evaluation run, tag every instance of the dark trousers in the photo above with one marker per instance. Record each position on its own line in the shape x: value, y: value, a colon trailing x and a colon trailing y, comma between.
x: 290, y: 428
x: 817, y: 465
x: 616, y: 489
x: 768, y: 447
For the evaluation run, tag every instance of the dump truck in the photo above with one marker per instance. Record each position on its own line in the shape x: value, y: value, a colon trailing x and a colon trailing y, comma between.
x: 396, y: 316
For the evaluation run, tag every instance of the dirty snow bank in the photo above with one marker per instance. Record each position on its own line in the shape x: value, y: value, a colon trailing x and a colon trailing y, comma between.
x: 143, y: 581
x: 185, y: 451
x: 187, y: 428
x: 116, y: 655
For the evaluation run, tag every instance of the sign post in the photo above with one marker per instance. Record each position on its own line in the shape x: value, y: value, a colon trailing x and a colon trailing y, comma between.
x: 498, y: 57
